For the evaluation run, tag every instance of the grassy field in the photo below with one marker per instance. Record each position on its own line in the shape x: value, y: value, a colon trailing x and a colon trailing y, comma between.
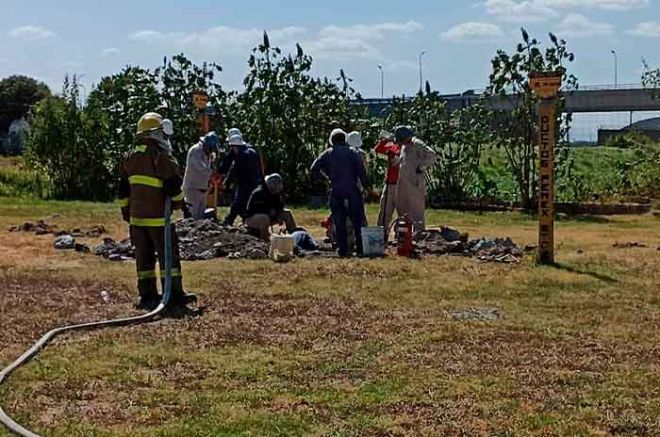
x: 351, y: 347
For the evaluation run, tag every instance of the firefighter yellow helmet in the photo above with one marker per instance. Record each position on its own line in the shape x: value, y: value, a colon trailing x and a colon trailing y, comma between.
x: 149, y: 122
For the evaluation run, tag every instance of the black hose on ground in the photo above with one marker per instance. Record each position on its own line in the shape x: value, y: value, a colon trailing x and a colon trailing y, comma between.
x: 16, y: 428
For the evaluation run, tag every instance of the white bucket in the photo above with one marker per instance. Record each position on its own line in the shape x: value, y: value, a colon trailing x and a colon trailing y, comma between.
x: 281, y: 247
x: 372, y: 241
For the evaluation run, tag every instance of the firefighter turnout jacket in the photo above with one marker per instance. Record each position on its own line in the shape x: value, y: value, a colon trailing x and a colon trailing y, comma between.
x: 147, y: 175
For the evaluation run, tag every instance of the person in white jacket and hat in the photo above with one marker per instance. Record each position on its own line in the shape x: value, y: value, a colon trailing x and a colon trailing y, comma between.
x: 199, y: 169
x: 416, y: 158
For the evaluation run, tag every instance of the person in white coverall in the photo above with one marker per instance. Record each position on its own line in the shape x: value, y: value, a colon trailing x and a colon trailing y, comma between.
x: 199, y: 170
x: 416, y: 159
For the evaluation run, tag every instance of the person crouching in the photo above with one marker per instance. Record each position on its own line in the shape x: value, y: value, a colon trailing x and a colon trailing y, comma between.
x: 266, y: 208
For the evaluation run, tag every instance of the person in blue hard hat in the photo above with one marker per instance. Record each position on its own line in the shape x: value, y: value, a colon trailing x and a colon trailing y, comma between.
x: 199, y: 170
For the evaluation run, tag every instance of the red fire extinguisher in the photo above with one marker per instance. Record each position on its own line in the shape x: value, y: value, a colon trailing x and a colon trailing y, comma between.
x: 403, y: 230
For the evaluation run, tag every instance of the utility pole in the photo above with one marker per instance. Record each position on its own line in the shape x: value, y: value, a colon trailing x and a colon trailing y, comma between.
x: 382, y: 81
x: 616, y: 69
x: 421, y: 75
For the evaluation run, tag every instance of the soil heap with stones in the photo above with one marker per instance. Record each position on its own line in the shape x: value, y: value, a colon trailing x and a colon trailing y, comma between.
x: 198, y: 240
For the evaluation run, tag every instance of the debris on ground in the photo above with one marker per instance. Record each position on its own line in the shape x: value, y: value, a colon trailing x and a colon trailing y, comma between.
x: 64, y: 242
x: 43, y: 228
x: 447, y: 241
x: 208, y: 239
x: 629, y: 245
x: 114, y: 251
x: 68, y: 242
x: 477, y: 314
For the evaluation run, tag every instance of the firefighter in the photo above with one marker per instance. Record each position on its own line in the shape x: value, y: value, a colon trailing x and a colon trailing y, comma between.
x: 148, y: 173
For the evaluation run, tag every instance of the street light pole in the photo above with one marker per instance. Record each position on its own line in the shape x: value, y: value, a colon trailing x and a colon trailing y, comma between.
x: 421, y: 75
x: 616, y: 69
x: 382, y: 81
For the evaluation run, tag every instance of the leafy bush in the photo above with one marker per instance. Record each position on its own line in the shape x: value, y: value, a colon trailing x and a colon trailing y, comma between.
x: 288, y: 114
x: 515, y: 129
x: 458, y: 138
x: 62, y: 146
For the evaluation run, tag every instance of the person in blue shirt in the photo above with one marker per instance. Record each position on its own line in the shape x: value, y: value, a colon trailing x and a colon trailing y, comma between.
x: 245, y: 173
x: 343, y: 167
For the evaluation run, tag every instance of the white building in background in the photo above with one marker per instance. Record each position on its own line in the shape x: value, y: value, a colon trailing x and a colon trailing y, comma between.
x: 18, y: 130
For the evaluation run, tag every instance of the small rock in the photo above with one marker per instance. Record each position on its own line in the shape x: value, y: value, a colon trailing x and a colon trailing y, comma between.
x: 65, y: 242
x: 450, y: 234
x: 580, y: 251
x: 105, y: 296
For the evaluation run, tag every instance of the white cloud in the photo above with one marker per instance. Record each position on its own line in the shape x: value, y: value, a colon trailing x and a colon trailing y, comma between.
x: 649, y: 29
x: 355, y: 41
x: 216, y: 39
x: 519, y: 11
x: 110, y: 51
x: 524, y: 11
x: 334, y: 42
x: 31, y: 33
x: 473, y: 32
x: 614, y: 5
x: 578, y: 26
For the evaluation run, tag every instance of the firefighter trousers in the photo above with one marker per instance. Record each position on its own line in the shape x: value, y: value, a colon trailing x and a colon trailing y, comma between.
x: 149, y: 245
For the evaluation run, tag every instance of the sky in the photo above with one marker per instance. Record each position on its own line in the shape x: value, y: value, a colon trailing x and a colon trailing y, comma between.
x: 47, y: 39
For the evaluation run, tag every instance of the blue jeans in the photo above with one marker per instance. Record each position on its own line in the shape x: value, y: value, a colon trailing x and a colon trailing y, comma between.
x: 342, y: 207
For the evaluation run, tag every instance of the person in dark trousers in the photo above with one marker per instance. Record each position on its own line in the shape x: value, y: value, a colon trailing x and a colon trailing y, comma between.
x: 245, y: 173
x: 147, y: 175
x: 344, y: 168
x: 266, y: 208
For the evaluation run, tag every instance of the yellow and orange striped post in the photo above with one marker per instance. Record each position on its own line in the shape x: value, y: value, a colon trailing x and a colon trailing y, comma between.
x: 546, y: 86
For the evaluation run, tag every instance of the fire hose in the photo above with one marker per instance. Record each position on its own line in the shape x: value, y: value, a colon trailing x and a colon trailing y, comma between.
x: 50, y: 335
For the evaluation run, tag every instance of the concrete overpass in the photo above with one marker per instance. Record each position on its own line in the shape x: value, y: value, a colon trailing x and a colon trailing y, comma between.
x: 624, y: 98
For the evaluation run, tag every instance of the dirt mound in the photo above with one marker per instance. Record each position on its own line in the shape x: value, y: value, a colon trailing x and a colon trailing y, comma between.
x: 198, y: 240
x: 447, y: 241
x: 208, y: 239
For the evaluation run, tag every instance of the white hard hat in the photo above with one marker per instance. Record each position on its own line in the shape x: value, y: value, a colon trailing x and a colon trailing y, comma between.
x: 236, y: 140
x: 168, y: 127
x: 335, y: 132
x: 233, y: 131
x: 275, y: 183
x: 354, y: 139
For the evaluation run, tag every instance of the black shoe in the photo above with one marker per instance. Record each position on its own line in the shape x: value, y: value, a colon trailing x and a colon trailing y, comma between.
x: 183, y: 299
x: 148, y: 303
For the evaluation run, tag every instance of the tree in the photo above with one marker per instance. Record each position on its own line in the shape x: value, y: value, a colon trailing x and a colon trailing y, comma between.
x: 120, y: 100
x: 515, y: 129
x: 17, y: 96
x: 288, y: 114
x: 457, y: 137
x: 651, y: 79
x: 61, y: 146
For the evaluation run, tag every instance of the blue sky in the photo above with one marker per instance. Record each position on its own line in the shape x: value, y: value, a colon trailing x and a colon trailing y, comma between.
x: 47, y: 39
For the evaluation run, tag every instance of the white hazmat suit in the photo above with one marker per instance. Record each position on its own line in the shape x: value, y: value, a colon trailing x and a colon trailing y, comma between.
x: 416, y: 158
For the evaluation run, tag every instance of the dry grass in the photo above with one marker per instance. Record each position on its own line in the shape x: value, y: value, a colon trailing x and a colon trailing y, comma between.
x: 358, y: 347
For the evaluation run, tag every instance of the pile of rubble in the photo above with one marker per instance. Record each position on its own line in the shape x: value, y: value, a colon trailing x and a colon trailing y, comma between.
x: 114, y: 251
x: 208, y: 239
x: 198, y: 240
x: 447, y: 241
